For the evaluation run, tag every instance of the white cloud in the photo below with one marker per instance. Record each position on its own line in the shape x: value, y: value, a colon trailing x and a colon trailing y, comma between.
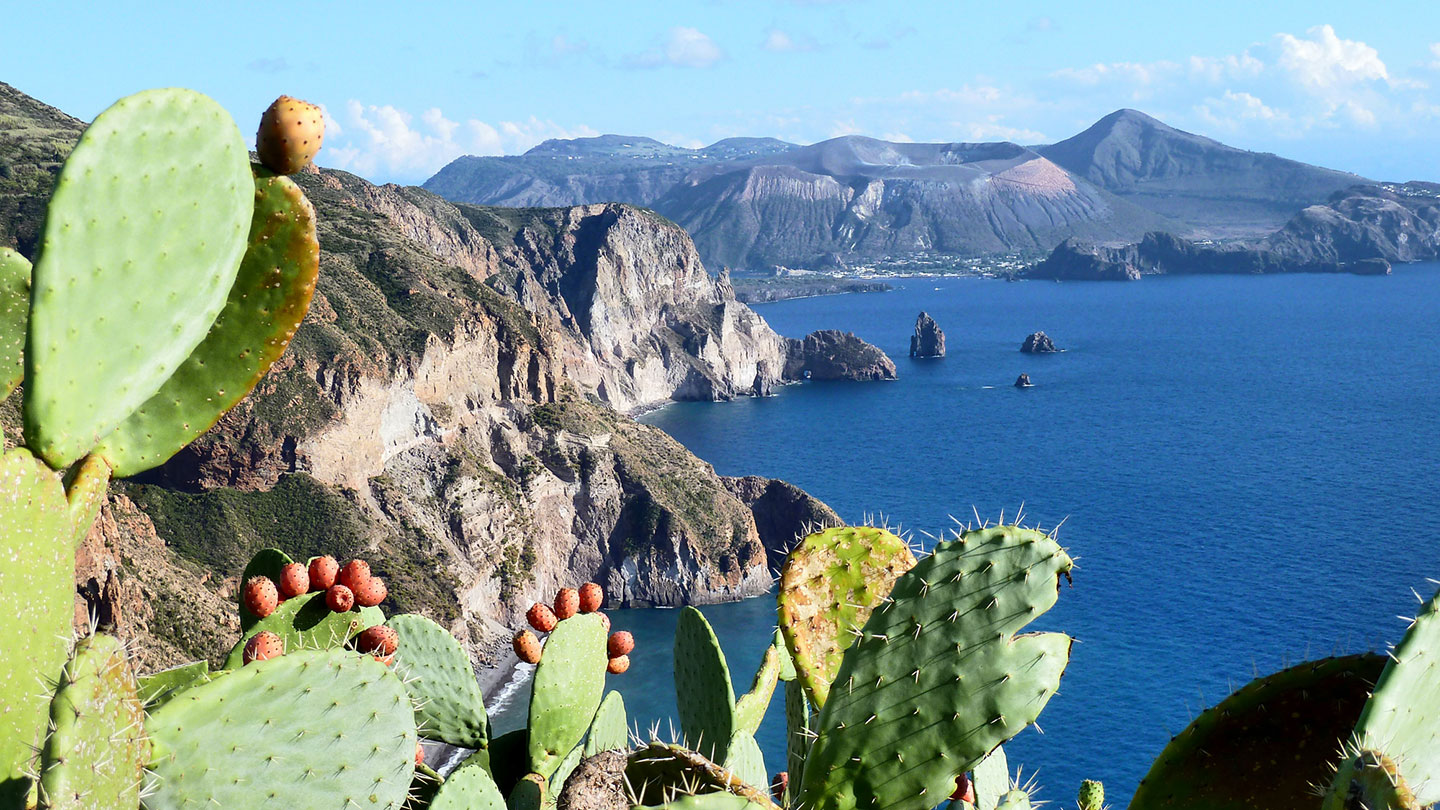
x: 1230, y: 66
x: 1326, y: 61
x: 389, y: 143
x: 783, y: 42
x: 1137, y: 73
x: 561, y: 45
x: 897, y: 137
x: 1435, y: 51
x: 992, y: 129
x: 683, y: 47
x: 1233, y: 109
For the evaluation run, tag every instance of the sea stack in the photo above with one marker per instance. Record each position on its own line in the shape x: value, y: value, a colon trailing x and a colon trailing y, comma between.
x: 1038, y: 343
x: 1023, y: 381
x: 928, y: 340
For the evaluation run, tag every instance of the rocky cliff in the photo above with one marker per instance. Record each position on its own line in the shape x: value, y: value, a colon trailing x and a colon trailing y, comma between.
x: 928, y: 340
x: 829, y: 354
x: 452, y: 409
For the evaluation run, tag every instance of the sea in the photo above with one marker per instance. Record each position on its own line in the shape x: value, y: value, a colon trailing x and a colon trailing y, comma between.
x: 1245, y: 469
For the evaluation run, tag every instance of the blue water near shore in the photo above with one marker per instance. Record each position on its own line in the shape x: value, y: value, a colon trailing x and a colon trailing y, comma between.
x: 1247, y: 468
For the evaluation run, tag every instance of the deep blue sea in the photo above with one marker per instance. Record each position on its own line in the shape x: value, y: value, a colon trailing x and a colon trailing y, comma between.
x: 1248, y: 469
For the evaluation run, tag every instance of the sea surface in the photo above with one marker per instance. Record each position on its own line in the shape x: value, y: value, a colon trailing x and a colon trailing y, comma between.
x: 1248, y: 471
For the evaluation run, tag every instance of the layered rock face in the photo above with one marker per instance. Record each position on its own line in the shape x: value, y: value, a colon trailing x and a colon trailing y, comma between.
x: 928, y: 340
x: 829, y: 354
x: 1038, y: 343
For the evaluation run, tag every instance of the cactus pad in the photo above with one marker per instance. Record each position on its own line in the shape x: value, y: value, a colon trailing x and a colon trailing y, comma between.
x: 1368, y: 779
x: 530, y: 793
x: 37, y: 594
x: 448, y: 703
x: 1091, y: 795
x: 469, y: 787
x: 569, y: 683
x: 799, y: 731
x: 1265, y: 744
x: 567, y: 767
x: 609, y: 731
x: 708, y: 801
x: 265, y: 306
x: 86, y: 486
x: 745, y: 759
x: 94, y: 758
x: 14, y: 309
x: 991, y: 778
x: 309, y: 730
x: 1014, y: 800
x: 705, y: 698
x: 305, y: 623
x: 750, y: 708
x: 157, y: 689
x: 1402, y: 719
x: 938, y: 678
x: 829, y: 585
x: 660, y: 773
x: 142, y: 241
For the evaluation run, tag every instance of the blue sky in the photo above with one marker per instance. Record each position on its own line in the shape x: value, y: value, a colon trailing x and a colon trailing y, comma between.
x: 410, y: 86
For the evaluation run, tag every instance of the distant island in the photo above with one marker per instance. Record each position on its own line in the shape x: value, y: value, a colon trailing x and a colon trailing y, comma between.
x: 759, y: 290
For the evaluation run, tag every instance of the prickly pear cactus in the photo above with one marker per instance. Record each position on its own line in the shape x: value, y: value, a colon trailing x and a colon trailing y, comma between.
x: 37, y: 595
x: 1265, y: 744
x: 469, y: 787
x: 310, y: 730
x: 661, y: 773
x: 305, y: 623
x: 938, y: 678
x: 991, y: 778
x: 705, y: 698
x: 1401, y: 721
x: 745, y: 759
x: 143, y: 238
x: 157, y: 689
x: 1091, y: 796
x: 14, y: 309
x: 609, y: 731
x: 569, y: 683
x: 94, y: 757
x: 707, y: 801
x: 1016, y: 799
x: 829, y: 585
x: 269, y: 298
x: 800, y: 731
x: 530, y: 793
x: 750, y: 708
x: 448, y: 704
x: 1367, y: 780
x: 86, y: 485
x: 268, y: 563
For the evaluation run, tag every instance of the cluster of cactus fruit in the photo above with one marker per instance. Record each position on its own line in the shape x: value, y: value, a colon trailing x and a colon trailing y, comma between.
x: 902, y: 678
x: 589, y: 598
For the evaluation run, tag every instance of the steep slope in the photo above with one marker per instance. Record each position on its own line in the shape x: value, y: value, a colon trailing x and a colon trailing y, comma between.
x: 34, y: 140
x: 1216, y: 189
x: 464, y: 440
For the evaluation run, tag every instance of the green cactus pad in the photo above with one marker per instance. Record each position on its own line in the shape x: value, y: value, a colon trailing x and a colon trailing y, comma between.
x: 94, y: 758
x: 707, y: 801
x: 800, y: 731
x: 702, y: 686
x: 1091, y: 795
x: 567, y: 767
x: 1265, y: 744
x: 1369, y: 779
x: 569, y: 683
x: 1402, y: 719
x: 37, y: 595
x: 14, y: 309
x: 609, y: 731
x: 86, y: 486
x: 310, y: 730
x: 750, y: 708
x: 829, y: 585
x: 1014, y: 800
x: 468, y: 788
x: 745, y: 759
x: 142, y: 241
x: 660, y: 773
x: 423, y: 787
x: 448, y: 703
x: 787, y: 664
x: 156, y: 690
x: 939, y: 678
x: 530, y: 793
x: 991, y: 778
x: 266, y: 304
x: 305, y: 623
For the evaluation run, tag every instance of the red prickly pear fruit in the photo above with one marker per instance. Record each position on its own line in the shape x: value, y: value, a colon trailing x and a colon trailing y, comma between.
x: 620, y: 643
x: 340, y: 598
x: 353, y: 574
x: 527, y: 647
x: 294, y: 581
x: 290, y: 134
x: 419, y: 755
x: 618, y: 664
x: 604, y: 621
x: 541, y: 617
x: 591, y: 597
x: 567, y: 603
x: 964, y: 789
x: 261, y: 596
x: 263, y: 646
x: 380, y: 640
x: 779, y: 785
x: 323, y: 571
x: 371, y: 592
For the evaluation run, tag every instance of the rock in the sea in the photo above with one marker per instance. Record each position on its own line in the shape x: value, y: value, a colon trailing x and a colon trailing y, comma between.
x: 829, y: 354
x: 1038, y: 343
x: 928, y: 340
x: 1023, y: 381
